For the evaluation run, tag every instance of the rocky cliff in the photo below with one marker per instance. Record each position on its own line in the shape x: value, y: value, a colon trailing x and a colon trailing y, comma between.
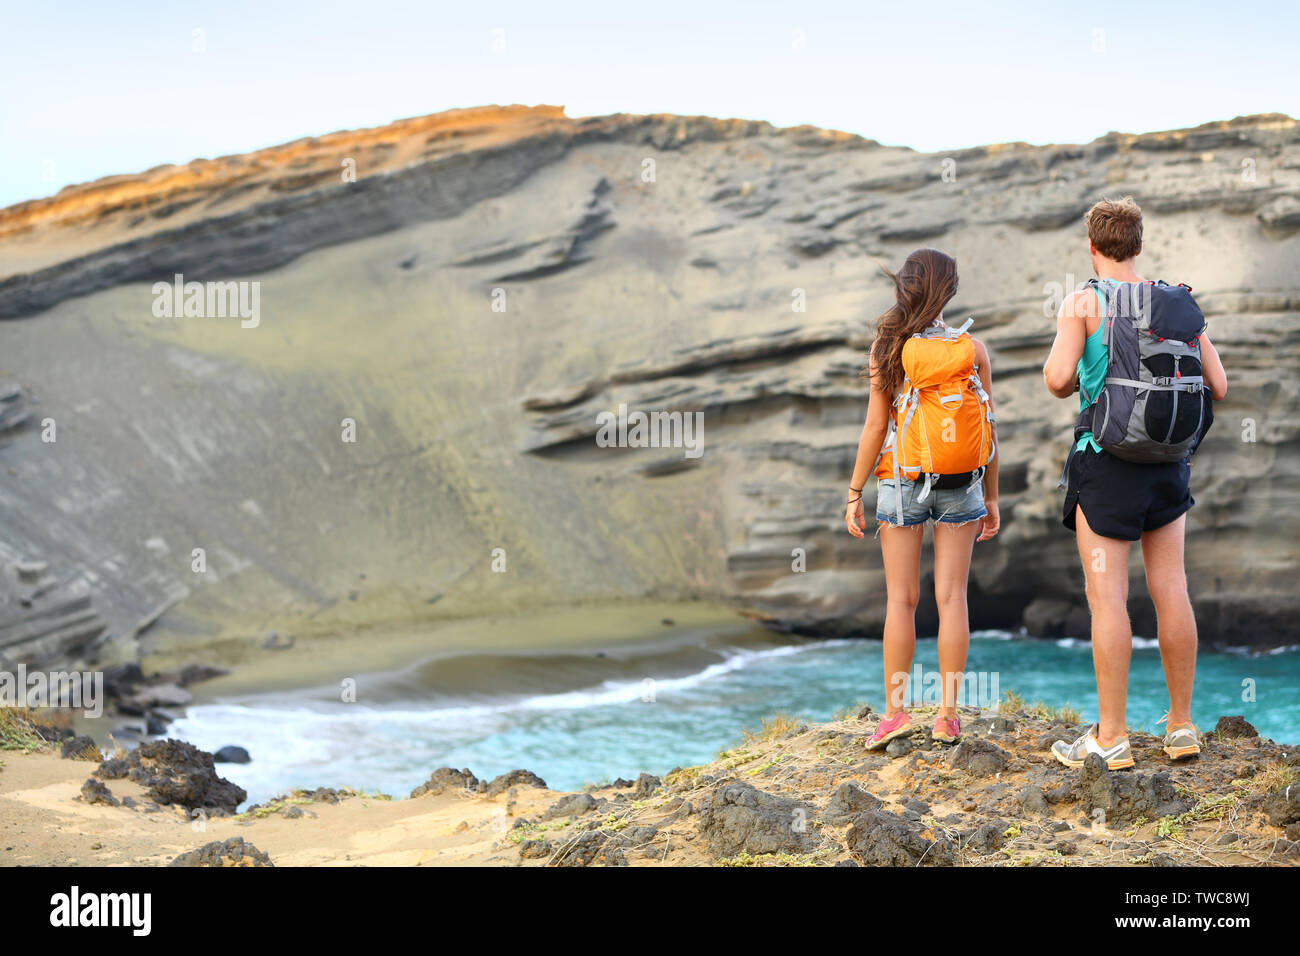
x: 464, y: 294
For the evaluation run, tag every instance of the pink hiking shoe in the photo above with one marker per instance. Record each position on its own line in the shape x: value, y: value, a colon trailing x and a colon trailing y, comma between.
x: 900, y: 725
x: 947, y: 729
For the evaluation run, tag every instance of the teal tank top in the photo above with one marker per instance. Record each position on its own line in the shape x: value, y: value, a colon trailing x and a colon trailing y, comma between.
x: 1092, y: 373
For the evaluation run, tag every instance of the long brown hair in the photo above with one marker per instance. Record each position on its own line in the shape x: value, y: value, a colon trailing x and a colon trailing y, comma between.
x: 922, y: 287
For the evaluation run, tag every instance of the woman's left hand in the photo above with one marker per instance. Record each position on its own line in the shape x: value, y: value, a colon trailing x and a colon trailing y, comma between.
x: 854, y: 518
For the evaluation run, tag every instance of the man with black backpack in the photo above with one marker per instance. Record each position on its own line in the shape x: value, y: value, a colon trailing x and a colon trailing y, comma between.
x: 1147, y: 377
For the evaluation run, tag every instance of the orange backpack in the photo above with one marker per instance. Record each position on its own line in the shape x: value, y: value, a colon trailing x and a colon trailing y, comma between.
x: 941, y: 425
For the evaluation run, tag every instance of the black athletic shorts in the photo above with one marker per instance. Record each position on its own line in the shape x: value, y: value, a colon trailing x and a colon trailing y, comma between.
x: 1121, y: 499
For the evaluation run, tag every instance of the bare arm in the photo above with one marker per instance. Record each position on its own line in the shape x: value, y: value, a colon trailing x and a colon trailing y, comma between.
x: 873, y: 436
x: 986, y: 379
x: 1060, y: 372
x: 1216, y: 379
x: 992, y: 522
x: 873, y: 433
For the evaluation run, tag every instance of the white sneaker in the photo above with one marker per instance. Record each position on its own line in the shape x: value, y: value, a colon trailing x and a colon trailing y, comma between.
x: 1118, y: 756
x: 1180, y: 740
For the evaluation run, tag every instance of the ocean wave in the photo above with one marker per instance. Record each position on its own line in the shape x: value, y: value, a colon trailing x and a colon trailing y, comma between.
x: 293, y: 738
x: 1139, y: 643
x: 603, y: 694
x: 620, y: 692
x: 1261, y: 652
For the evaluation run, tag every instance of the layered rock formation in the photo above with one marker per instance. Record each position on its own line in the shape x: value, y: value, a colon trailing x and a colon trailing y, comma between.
x: 471, y: 291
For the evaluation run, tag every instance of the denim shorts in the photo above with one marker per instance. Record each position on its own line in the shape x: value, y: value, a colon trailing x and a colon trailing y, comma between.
x: 946, y: 505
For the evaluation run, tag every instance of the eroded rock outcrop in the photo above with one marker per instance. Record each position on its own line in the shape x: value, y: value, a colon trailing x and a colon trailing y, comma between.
x: 880, y: 838
x: 444, y: 779
x: 1120, y: 799
x: 740, y: 818
x: 176, y: 773
x: 490, y: 281
x: 232, y: 852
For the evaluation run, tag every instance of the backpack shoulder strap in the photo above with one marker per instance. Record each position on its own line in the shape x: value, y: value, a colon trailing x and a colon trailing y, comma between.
x: 1109, y: 310
x: 946, y: 332
x: 1096, y: 286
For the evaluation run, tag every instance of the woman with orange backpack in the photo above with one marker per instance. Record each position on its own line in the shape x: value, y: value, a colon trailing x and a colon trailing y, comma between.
x: 930, y: 440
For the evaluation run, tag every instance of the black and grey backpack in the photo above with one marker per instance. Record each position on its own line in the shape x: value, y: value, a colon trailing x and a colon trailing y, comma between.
x: 1153, y: 406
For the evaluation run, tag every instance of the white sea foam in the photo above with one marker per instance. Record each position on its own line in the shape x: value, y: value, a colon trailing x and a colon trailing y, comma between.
x: 1139, y: 643
x: 1267, y: 652
x: 621, y: 692
x: 297, y: 741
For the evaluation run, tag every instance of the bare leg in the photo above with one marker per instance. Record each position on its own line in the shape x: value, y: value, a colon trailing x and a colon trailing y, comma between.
x: 901, y: 548
x: 1162, y: 553
x: 1105, y: 569
x: 952, y: 551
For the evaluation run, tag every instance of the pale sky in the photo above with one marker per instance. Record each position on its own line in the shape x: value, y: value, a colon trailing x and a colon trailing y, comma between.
x: 92, y: 89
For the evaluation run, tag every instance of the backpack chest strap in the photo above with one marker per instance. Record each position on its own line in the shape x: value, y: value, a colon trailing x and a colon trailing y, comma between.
x: 1185, y: 383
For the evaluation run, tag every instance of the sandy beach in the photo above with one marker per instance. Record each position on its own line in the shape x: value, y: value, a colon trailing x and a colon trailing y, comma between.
x: 313, y: 660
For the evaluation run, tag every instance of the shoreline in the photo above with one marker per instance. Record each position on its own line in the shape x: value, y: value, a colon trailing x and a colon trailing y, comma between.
x: 496, y: 710
x: 626, y: 627
x: 502, y: 658
x: 622, y: 631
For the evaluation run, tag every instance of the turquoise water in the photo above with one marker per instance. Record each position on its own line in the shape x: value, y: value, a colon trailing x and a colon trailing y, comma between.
x: 611, y: 728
